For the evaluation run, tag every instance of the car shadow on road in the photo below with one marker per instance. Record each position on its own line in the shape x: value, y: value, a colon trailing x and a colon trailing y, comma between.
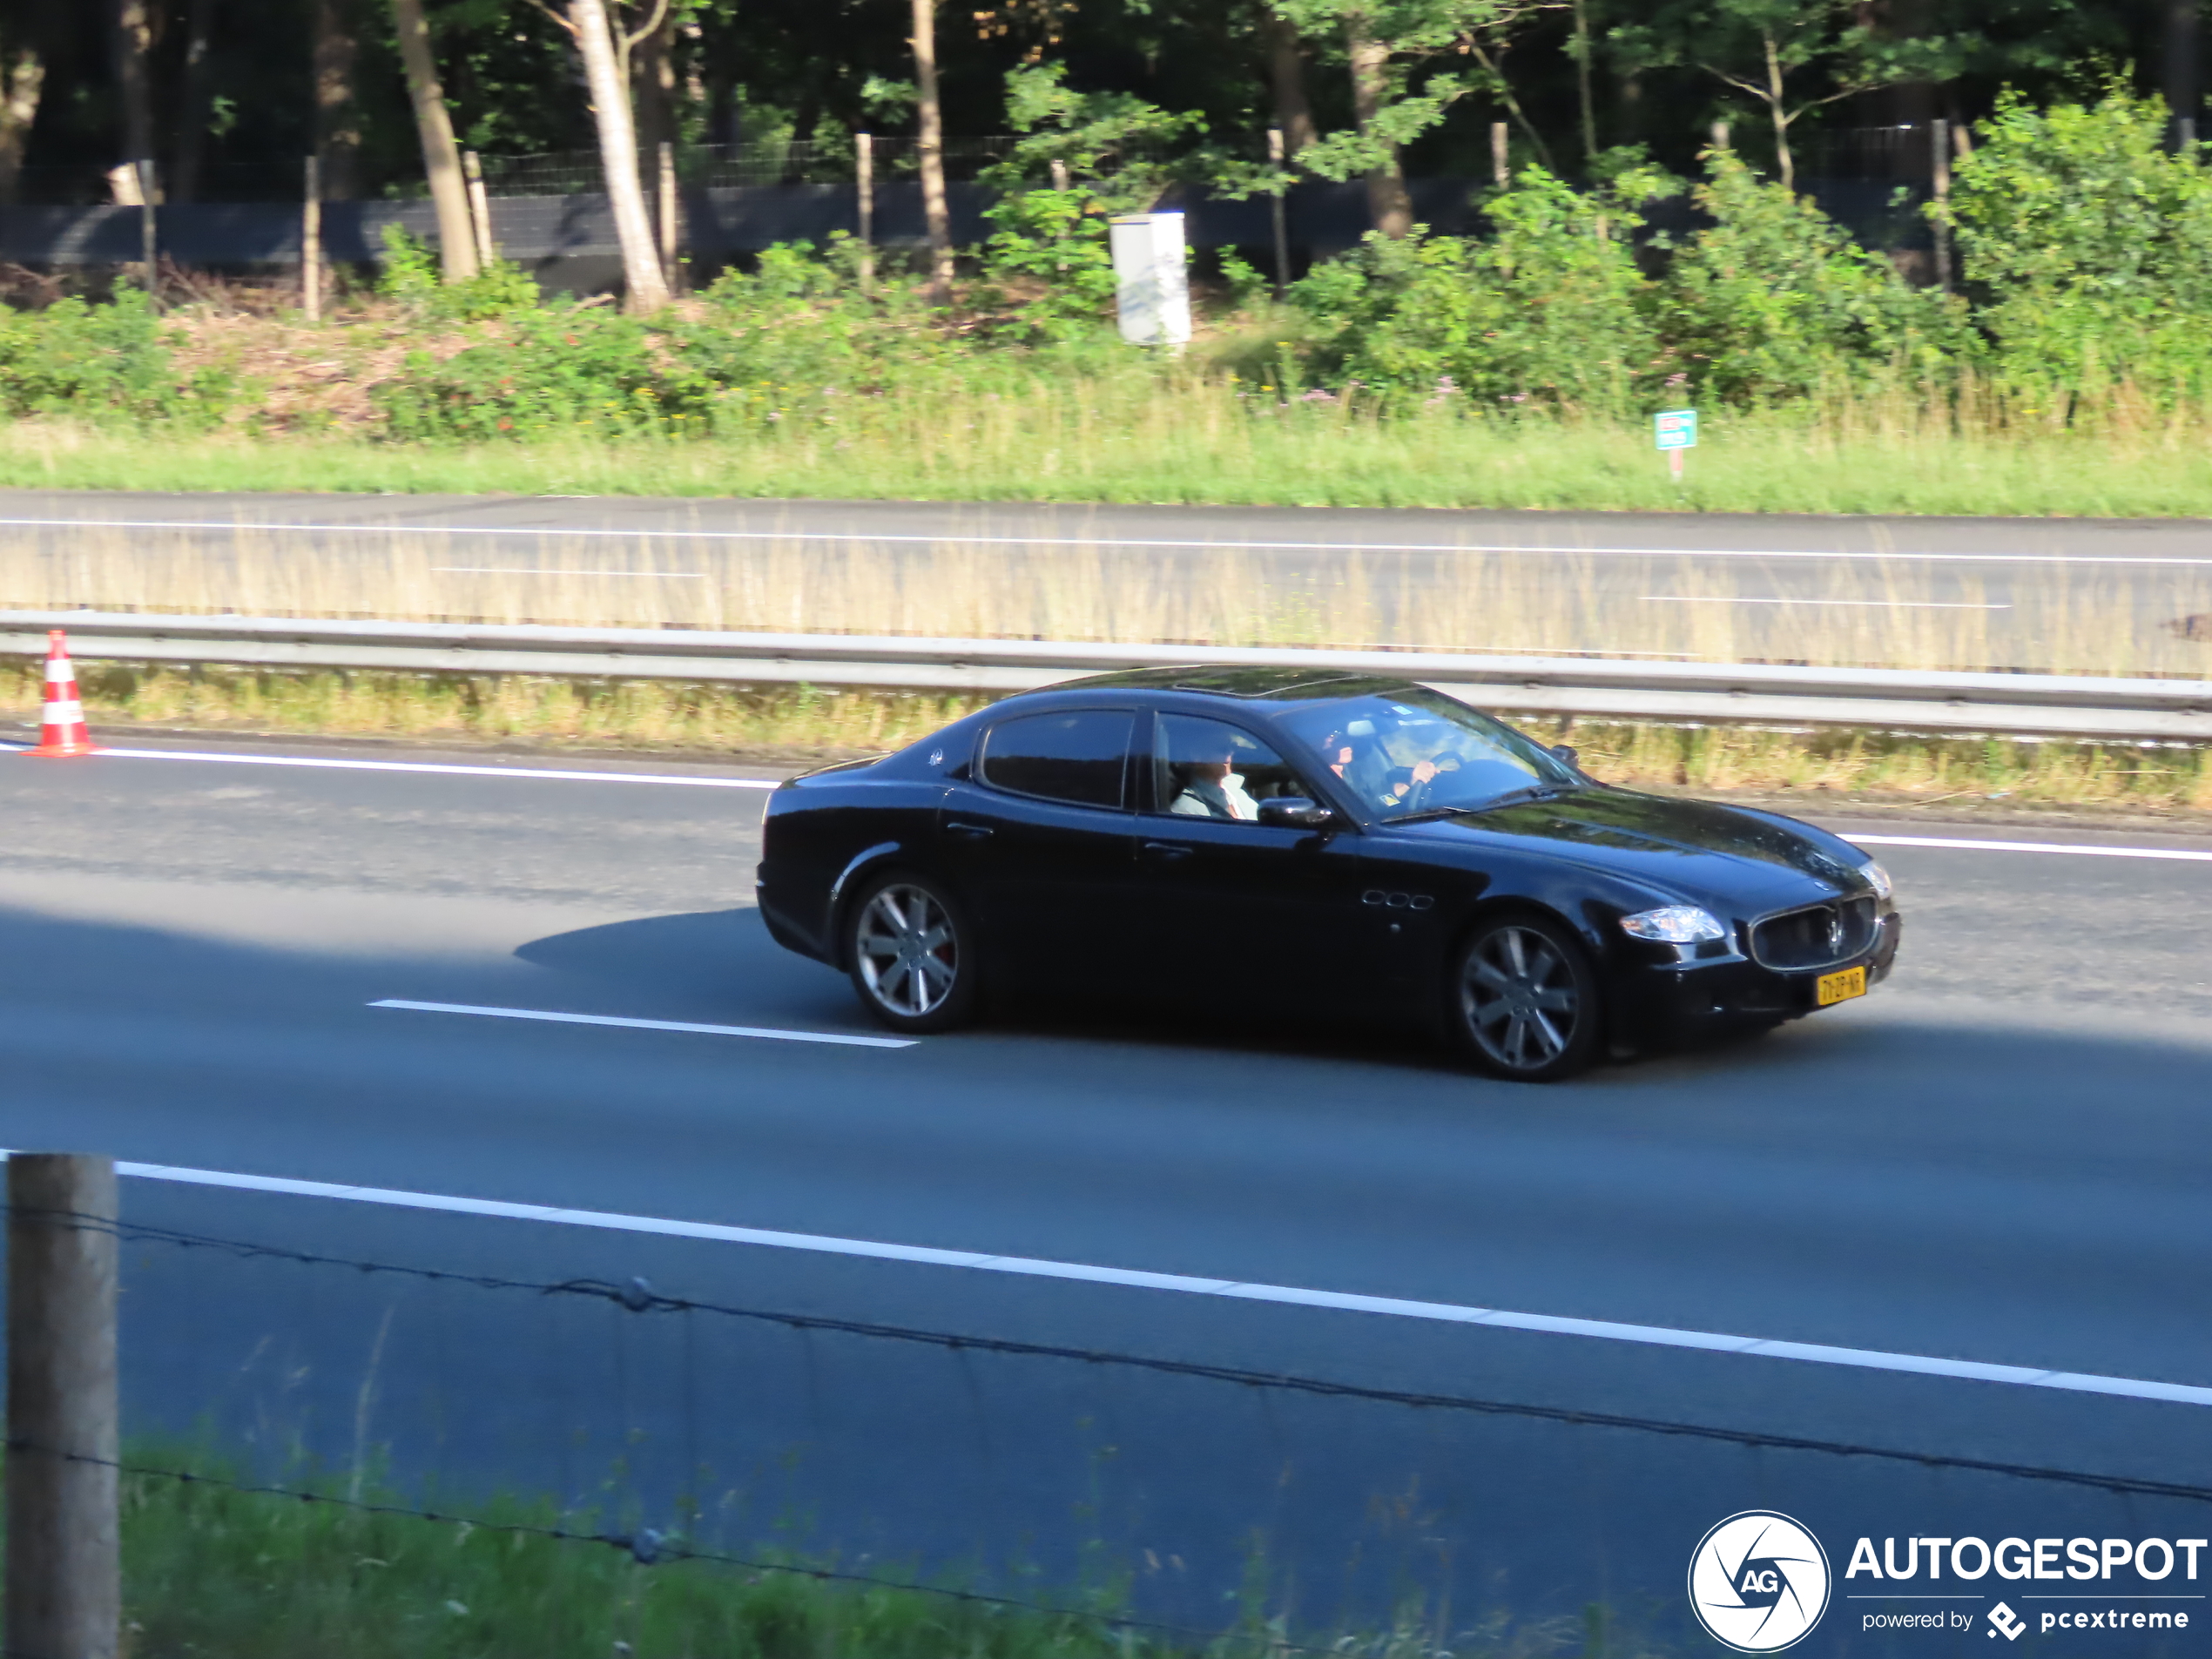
x: 717, y: 965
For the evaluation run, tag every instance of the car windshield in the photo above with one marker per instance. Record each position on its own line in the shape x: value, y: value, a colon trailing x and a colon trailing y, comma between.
x: 1417, y: 751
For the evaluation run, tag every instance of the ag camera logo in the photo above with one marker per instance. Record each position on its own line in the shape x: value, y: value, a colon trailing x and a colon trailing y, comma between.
x: 1758, y: 1582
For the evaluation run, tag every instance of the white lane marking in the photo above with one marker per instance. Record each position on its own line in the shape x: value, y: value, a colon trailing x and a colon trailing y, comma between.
x: 767, y: 1032
x: 464, y: 772
x: 1863, y: 605
x: 932, y: 539
x: 1601, y: 1330
x: 504, y: 570
x: 2034, y: 846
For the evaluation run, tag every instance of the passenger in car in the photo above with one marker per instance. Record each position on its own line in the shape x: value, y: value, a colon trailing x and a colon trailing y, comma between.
x: 1213, y: 789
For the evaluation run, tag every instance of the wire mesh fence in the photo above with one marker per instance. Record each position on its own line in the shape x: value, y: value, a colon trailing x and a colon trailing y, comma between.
x: 1035, y: 1443
x: 724, y: 166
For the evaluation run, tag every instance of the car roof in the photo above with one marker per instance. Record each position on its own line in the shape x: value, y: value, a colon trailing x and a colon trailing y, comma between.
x: 1246, y: 684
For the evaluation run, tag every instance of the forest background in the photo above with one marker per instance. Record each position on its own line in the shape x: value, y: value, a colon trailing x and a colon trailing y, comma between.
x: 1635, y: 257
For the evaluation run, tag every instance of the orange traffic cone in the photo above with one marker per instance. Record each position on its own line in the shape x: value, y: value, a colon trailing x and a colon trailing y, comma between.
x: 61, y: 732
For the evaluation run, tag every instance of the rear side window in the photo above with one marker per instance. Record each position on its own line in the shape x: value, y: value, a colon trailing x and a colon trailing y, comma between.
x: 1081, y: 756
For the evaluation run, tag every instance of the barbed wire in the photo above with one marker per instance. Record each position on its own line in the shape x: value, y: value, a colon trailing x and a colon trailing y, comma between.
x: 650, y: 1548
x: 638, y: 1296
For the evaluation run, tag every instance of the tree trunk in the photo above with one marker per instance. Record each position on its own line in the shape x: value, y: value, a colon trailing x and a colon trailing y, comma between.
x: 131, y: 23
x: 1785, y: 164
x: 932, y: 123
x: 804, y: 121
x: 440, y: 156
x: 193, y: 105
x: 1286, y: 82
x: 652, y: 75
x: 1582, y: 81
x: 338, y: 124
x: 22, y: 74
x: 618, y: 155
x: 1388, y: 206
x: 2184, y: 86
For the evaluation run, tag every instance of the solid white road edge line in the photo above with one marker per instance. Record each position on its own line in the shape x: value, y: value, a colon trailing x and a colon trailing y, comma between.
x: 1601, y: 1330
x: 1862, y: 604
x: 2033, y: 846
x: 1084, y: 540
x: 464, y: 772
x: 648, y: 1025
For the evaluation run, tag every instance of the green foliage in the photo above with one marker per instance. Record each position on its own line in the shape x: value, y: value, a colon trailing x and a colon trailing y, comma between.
x: 1773, y: 300
x: 1767, y: 50
x: 2089, y: 247
x: 549, y: 371
x: 110, y: 362
x: 1110, y: 142
x: 1058, y: 239
x: 412, y: 276
x: 1551, y: 308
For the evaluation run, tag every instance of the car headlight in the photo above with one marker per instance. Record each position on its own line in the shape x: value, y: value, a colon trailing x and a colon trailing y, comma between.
x: 1878, y: 876
x: 1675, y: 924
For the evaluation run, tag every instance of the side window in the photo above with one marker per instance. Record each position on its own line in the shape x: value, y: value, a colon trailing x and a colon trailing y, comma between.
x: 1079, y: 756
x: 1205, y: 768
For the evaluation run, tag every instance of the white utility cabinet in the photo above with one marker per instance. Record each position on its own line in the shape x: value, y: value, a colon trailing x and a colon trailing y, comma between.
x: 1151, y: 284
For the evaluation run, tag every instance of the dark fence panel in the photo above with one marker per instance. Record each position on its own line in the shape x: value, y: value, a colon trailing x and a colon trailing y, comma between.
x: 536, y: 230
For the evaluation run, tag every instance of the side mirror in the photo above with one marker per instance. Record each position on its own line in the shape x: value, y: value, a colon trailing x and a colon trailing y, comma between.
x: 1294, y: 811
x: 1566, y: 751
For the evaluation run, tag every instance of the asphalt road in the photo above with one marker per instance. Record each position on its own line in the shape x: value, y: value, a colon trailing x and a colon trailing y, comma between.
x: 2024, y: 575
x: 1999, y: 1156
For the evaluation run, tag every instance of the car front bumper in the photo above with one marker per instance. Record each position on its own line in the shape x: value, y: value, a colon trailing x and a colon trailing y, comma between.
x: 1661, y: 1002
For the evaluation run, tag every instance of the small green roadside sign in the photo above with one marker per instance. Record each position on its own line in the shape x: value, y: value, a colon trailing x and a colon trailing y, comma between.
x: 1674, y: 429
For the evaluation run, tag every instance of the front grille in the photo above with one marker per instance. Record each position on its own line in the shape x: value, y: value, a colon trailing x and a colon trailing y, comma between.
x: 1818, y: 936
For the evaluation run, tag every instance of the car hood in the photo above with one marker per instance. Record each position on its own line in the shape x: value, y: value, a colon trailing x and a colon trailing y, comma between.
x: 1691, y: 847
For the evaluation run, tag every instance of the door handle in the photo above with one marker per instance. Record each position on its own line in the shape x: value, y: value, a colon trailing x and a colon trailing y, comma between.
x: 1166, y: 850
x: 973, y: 831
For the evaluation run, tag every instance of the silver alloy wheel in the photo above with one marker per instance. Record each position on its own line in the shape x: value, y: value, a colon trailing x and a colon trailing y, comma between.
x: 1519, y: 997
x: 907, y: 951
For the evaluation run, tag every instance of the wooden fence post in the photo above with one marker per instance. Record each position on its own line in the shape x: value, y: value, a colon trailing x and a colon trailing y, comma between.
x: 670, y: 217
x: 864, y: 181
x: 148, y: 250
x: 1501, y: 155
x: 311, y: 244
x: 63, y: 1579
x: 472, y: 171
x: 1939, y: 148
x: 1281, y: 214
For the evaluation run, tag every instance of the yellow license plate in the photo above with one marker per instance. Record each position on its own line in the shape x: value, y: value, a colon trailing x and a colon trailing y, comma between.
x: 1840, y: 987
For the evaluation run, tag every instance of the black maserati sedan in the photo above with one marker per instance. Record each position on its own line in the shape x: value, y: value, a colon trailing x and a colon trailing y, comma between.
x: 1331, y: 846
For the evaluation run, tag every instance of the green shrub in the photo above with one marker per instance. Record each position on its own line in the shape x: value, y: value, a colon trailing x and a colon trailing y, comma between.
x: 411, y: 275
x: 550, y: 370
x: 1773, y: 300
x: 102, y: 362
x: 2087, y: 246
x: 1551, y: 308
x: 1059, y: 239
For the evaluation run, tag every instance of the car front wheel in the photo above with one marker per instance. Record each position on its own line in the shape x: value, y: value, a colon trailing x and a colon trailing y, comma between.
x: 1525, y: 1001
x: 911, y: 955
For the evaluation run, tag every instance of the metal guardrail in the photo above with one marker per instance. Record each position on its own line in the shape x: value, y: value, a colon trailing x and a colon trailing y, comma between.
x: 2017, y: 704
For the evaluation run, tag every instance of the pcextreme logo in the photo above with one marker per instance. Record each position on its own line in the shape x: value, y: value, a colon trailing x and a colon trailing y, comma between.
x: 1758, y: 1582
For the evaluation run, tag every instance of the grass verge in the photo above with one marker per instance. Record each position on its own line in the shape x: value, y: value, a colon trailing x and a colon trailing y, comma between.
x: 210, y: 1569
x: 797, y: 725
x: 1192, y: 442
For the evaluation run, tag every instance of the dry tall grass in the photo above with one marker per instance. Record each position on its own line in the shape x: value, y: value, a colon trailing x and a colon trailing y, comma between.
x: 1893, y: 613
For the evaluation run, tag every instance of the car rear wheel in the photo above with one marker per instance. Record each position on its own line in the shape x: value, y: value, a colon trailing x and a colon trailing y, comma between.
x: 1526, y: 1001
x: 911, y: 955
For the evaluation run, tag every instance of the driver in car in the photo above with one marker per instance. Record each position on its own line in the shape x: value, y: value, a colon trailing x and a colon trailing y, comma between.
x: 1359, y: 759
